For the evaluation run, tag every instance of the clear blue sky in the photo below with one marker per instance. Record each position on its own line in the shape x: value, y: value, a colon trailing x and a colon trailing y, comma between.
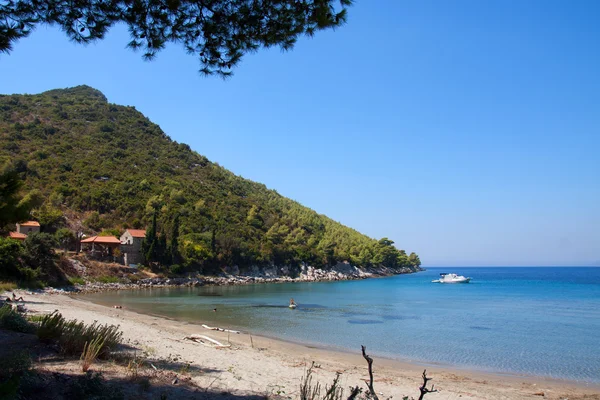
x: 466, y: 131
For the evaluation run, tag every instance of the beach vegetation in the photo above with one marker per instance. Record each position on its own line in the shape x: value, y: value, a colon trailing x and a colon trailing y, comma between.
x: 76, y: 280
x: 14, y: 368
x: 73, y: 337
x: 90, y: 352
x: 92, y: 386
x: 310, y: 390
x: 107, y: 279
x: 7, y: 286
x: 12, y: 320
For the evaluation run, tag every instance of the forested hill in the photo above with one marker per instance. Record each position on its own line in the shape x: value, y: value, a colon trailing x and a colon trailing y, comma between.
x: 111, y: 168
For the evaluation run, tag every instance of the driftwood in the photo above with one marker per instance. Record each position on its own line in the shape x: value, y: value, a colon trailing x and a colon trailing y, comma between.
x: 206, y: 341
x: 370, y: 383
x: 214, y: 328
x: 423, y: 388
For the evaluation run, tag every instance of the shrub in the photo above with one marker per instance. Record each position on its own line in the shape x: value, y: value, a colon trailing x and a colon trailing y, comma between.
x: 92, y: 386
x: 65, y: 237
x: 75, y: 280
x: 10, y: 250
x: 107, y: 279
x: 73, y: 336
x: 51, y: 327
x: 12, y: 368
x: 176, y: 269
x: 12, y: 320
x: 7, y: 286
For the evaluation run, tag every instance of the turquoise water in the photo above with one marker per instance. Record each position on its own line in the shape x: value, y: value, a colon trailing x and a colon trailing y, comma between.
x: 538, y: 321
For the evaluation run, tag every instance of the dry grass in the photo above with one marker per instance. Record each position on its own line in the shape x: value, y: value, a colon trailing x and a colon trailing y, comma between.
x: 7, y: 286
x: 312, y: 391
x: 90, y: 352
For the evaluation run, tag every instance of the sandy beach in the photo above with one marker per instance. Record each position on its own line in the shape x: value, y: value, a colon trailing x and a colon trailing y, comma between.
x: 261, y: 366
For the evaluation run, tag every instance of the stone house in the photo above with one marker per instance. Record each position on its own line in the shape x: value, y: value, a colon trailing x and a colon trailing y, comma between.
x: 24, y: 229
x: 28, y: 227
x: 131, y: 246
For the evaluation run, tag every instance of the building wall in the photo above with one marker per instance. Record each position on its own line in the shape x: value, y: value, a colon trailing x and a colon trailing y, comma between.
x: 27, y: 229
x: 131, y: 247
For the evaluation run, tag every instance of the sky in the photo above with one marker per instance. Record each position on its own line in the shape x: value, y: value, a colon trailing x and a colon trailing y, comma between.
x: 466, y: 131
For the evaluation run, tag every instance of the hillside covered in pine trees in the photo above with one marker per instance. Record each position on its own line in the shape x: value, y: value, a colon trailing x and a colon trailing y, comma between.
x: 107, y: 167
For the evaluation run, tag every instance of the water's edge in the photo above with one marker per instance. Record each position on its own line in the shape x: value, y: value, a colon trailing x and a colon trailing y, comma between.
x: 346, y: 351
x: 518, y: 322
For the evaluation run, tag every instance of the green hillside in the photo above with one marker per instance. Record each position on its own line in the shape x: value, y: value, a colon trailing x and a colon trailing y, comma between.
x: 109, y: 167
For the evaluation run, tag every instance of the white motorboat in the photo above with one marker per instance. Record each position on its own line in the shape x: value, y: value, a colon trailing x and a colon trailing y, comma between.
x: 292, y: 306
x: 451, y: 278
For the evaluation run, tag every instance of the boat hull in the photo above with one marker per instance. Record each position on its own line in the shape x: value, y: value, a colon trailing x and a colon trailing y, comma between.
x: 466, y: 280
x: 461, y: 279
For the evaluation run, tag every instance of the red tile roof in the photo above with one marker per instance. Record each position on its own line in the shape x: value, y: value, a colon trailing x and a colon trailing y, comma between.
x: 17, y: 235
x: 102, y: 240
x: 139, y: 233
x: 30, y: 223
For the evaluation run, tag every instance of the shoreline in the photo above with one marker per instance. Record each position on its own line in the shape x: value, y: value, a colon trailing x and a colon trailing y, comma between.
x: 399, y: 360
x: 312, y: 275
x: 282, y: 363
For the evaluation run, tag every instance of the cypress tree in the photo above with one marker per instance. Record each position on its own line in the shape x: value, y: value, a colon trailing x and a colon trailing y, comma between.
x: 174, y: 243
x: 149, y: 245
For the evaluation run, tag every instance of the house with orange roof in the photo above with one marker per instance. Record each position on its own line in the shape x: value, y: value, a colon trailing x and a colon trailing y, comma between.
x: 17, y: 236
x: 28, y: 227
x: 131, y: 246
x: 100, y: 247
x: 24, y: 229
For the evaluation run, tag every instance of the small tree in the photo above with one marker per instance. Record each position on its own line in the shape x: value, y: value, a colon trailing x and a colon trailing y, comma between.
x: 38, y: 251
x: 13, y: 206
x: 174, y: 242
x: 65, y: 237
x: 10, y: 251
x: 49, y: 217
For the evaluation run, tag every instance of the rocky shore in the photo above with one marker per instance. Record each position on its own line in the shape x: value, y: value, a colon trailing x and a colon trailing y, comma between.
x: 232, y: 276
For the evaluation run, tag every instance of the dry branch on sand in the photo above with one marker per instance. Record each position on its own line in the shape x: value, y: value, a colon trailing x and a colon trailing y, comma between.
x: 206, y: 341
x: 214, y: 328
x: 312, y: 391
x: 423, y: 388
x: 370, y: 364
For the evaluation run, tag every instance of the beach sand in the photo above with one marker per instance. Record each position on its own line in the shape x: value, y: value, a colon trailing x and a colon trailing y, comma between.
x: 267, y: 367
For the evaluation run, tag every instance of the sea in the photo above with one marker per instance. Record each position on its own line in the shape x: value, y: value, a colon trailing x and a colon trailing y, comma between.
x: 540, y: 321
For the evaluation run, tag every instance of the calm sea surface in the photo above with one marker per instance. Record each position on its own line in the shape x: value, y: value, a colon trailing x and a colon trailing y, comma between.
x: 538, y: 321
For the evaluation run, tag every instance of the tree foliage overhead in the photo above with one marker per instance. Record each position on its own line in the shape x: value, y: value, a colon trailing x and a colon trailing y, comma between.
x: 220, y: 32
x: 110, y: 167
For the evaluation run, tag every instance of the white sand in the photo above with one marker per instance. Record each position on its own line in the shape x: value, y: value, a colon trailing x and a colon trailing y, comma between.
x: 273, y: 366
